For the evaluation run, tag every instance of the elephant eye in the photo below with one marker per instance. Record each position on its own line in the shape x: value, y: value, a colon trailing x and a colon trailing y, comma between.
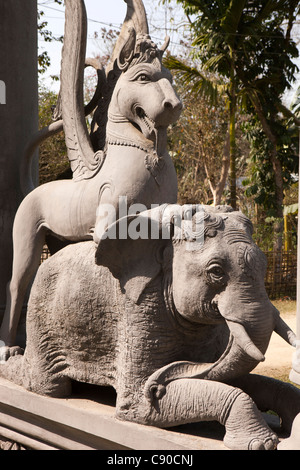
x: 215, y: 273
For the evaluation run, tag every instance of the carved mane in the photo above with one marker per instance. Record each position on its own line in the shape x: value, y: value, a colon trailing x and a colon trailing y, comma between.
x: 87, y: 152
x: 141, y: 50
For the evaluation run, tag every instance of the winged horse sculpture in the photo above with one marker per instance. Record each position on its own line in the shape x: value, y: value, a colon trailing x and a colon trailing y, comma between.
x: 125, y: 154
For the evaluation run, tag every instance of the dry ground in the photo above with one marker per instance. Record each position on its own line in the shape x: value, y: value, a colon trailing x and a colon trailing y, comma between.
x: 278, y: 360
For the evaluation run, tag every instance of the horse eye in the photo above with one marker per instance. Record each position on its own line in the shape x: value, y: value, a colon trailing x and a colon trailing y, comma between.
x: 143, y: 78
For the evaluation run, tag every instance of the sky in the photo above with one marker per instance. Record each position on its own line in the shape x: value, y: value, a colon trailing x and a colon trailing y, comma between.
x: 103, y: 13
x: 98, y: 12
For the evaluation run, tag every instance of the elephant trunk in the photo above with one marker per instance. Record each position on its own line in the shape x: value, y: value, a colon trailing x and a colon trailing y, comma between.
x: 251, y: 321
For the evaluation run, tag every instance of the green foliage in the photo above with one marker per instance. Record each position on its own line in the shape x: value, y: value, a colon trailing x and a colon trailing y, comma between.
x: 249, y: 44
x: 296, y: 103
x: 197, y: 144
x: 192, y: 79
x: 260, y: 181
x: 263, y: 235
x: 253, y: 31
x: 53, y: 160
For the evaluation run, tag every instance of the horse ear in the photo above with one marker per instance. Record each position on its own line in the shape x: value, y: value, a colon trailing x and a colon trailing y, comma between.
x: 134, y: 261
x: 165, y: 46
x: 127, y: 51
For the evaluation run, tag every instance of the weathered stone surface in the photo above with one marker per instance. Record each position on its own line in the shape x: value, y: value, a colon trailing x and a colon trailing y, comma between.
x: 86, y: 421
x: 293, y: 442
x: 155, y: 319
x: 175, y: 318
x: 139, y: 102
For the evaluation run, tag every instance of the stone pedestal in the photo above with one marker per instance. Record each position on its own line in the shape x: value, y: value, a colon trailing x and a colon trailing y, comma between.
x: 86, y: 422
x: 18, y: 115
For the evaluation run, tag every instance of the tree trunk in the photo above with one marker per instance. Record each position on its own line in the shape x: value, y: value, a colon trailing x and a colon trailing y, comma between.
x: 232, y: 106
x: 218, y: 189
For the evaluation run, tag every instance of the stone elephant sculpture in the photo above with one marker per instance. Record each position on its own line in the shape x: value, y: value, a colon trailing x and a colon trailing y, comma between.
x: 174, y: 322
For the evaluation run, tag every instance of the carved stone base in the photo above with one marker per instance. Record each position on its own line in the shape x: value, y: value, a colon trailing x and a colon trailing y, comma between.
x: 10, y: 445
x: 83, y: 422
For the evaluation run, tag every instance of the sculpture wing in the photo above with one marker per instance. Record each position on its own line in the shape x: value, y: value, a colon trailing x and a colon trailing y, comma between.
x: 85, y: 162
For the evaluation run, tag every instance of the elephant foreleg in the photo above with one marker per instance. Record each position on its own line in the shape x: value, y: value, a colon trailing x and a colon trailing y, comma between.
x: 272, y: 394
x: 194, y: 400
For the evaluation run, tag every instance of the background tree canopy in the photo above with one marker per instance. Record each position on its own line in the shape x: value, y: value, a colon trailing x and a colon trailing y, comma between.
x: 245, y: 49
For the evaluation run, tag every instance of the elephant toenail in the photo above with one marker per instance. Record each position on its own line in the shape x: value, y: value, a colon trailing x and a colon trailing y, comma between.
x: 256, y: 444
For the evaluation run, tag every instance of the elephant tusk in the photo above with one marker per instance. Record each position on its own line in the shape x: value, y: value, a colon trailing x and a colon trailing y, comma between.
x: 283, y: 330
x: 244, y: 341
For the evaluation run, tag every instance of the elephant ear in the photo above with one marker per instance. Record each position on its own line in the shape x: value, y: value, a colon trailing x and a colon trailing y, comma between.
x: 133, y: 257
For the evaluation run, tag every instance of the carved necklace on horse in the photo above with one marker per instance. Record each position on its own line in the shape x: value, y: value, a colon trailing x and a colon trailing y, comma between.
x: 154, y: 163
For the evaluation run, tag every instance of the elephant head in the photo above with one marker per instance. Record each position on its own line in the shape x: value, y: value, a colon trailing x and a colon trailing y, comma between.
x: 214, y: 275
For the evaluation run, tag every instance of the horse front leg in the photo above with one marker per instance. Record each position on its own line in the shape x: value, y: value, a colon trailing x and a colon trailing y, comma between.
x: 28, y: 240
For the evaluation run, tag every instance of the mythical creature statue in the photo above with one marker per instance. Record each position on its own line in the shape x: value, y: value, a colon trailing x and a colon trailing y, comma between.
x: 175, y: 323
x: 125, y: 155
